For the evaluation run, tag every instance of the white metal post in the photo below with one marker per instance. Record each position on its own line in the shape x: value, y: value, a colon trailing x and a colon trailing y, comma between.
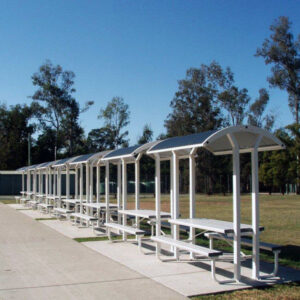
x: 236, y: 207
x: 119, y: 195
x: 54, y: 182
x: 50, y: 181
x: 81, y: 188
x: 22, y: 184
x: 124, y: 194
x: 76, y: 182
x: 157, y: 200
x: 28, y: 184
x: 192, y: 195
x: 68, y: 184
x: 59, y: 186
x: 68, y: 181
x: 98, y: 182
x: 91, y: 183
x: 40, y: 182
x: 46, y: 184
x: 87, y: 182
x: 35, y: 184
x: 107, y: 216
x: 176, y: 197
x: 137, y: 188
x: 255, y: 210
x: 172, y: 200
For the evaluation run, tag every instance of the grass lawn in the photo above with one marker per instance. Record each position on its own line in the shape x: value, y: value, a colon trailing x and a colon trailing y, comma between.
x: 280, y: 215
x: 8, y: 200
x: 287, y: 291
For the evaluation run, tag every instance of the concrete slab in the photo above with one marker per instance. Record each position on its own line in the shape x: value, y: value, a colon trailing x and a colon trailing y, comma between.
x: 39, y: 263
x: 17, y: 206
x: 187, y: 277
x: 34, y: 214
x: 66, y: 228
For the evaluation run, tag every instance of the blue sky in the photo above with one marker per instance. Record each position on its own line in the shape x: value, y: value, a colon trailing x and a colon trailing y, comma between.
x: 137, y: 50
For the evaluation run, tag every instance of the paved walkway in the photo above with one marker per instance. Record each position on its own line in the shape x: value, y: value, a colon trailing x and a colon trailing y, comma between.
x: 37, y: 262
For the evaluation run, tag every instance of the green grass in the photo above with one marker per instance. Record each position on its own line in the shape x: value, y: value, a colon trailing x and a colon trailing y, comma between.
x: 45, y: 219
x: 91, y: 239
x: 274, y: 292
x: 8, y: 201
x: 278, y: 214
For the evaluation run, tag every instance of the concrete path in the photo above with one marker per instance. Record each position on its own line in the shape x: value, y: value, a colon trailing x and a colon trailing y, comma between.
x: 187, y: 277
x: 38, y: 263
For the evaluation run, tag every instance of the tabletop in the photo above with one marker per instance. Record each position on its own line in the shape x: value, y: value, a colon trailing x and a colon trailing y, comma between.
x: 219, y: 226
x: 99, y: 205
x: 144, y: 213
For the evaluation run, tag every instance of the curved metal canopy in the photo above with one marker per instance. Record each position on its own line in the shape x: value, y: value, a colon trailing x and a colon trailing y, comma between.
x: 89, y: 158
x: 45, y: 165
x: 128, y: 153
x: 218, y: 141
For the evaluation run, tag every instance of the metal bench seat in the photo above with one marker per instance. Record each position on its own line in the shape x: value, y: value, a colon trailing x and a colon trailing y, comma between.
x: 248, y: 242
x: 203, y: 251
x: 59, y: 212
x: 83, y: 217
x: 139, y: 233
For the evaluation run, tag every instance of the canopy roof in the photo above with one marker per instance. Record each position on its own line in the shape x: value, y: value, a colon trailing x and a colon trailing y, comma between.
x: 89, y: 158
x: 128, y: 153
x: 63, y: 162
x: 218, y: 141
x: 45, y: 165
x: 33, y: 167
x: 23, y: 169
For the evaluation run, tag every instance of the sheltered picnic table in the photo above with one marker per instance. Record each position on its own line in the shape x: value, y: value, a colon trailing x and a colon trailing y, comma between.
x: 234, y: 140
x: 121, y: 158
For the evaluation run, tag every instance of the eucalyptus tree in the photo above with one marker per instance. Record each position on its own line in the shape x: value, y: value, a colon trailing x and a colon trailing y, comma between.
x: 116, y: 118
x: 54, y: 95
x: 73, y: 133
x: 195, y: 108
x: 146, y: 136
x: 257, y: 115
x: 282, y: 52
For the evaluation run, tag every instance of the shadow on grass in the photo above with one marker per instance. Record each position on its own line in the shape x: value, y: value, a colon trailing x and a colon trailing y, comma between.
x: 276, y: 291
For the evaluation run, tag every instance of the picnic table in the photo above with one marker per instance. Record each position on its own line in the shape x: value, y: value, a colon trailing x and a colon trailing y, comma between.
x: 142, y: 214
x: 216, y: 226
